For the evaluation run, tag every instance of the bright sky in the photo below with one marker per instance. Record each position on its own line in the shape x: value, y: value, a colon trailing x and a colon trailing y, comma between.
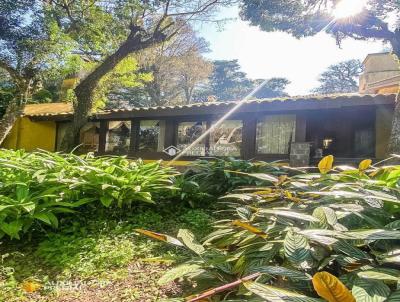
x: 265, y: 55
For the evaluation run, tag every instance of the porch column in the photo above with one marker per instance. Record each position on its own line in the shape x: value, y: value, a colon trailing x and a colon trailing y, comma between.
x: 103, y: 136
x: 249, y: 138
x: 134, y: 139
x: 300, y: 149
x: 170, y: 130
x: 301, y: 127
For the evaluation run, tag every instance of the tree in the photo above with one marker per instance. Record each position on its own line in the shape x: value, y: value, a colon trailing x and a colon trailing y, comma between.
x: 171, y: 71
x: 227, y: 82
x: 177, y: 67
x: 7, y: 91
x: 309, y: 17
x: 110, y: 31
x: 28, y: 46
x: 340, y: 78
x: 273, y: 88
x: 193, y: 69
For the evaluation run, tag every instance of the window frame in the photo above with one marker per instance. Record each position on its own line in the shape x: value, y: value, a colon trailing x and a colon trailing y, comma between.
x: 278, y: 156
x: 104, y: 128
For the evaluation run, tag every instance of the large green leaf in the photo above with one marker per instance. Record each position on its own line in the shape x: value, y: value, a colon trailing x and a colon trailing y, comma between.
x: 178, y: 272
x: 375, y: 234
x: 289, y: 214
x: 12, y: 229
x: 296, y: 247
x: 390, y: 257
x: 275, y: 294
x: 381, y: 274
x: 370, y: 291
x: 47, y: 217
x: 347, y: 248
x: 326, y: 217
x: 394, y: 297
x: 282, y: 271
x: 189, y: 240
x: 395, y: 225
x: 262, y: 176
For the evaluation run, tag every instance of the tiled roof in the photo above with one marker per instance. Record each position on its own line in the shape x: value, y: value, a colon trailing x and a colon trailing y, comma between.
x: 314, y: 97
x: 48, y: 109
x: 64, y: 109
x: 220, y: 107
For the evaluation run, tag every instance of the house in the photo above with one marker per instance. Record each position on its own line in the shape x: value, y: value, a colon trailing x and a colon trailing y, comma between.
x: 29, y: 134
x: 381, y: 74
x: 349, y: 126
x: 296, y: 129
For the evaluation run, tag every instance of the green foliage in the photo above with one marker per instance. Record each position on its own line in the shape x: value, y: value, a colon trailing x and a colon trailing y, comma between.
x: 344, y: 222
x: 37, y: 187
x: 229, y: 83
x: 340, y: 78
x: 42, y: 96
x: 125, y: 76
x: 197, y: 220
x: 97, y: 246
x: 208, y: 180
x: 309, y: 17
x: 7, y: 91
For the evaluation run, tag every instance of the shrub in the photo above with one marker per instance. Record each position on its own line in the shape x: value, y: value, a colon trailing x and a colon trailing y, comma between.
x: 333, y: 234
x: 37, y: 187
x: 209, y: 179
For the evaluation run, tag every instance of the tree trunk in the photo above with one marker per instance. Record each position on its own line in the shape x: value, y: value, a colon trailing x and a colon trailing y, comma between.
x: 85, y: 90
x: 14, y: 109
x: 13, y: 112
x: 394, y: 142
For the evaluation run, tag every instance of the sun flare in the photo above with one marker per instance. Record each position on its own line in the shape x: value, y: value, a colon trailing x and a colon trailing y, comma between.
x: 348, y: 8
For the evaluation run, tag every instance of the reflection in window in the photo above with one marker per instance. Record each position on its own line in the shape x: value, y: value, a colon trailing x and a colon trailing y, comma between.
x: 364, y: 142
x: 151, y: 135
x: 275, y: 133
x: 62, y: 129
x: 118, y: 136
x: 188, y: 132
x: 226, y: 139
x: 89, y: 137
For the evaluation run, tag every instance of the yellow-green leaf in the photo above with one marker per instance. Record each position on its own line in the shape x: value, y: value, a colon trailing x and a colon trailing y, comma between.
x: 364, y: 165
x: 331, y: 288
x: 325, y: 165
x: 161, y: 237
x: 249, y: 228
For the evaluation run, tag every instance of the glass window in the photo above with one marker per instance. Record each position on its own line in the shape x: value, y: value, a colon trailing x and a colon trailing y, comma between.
x: 364, y: 142
x: 89, y: 137
x: 151, y: 135
x: 118, y: 136
x: 275, y: 133
x: 188, y: 132
x: 226, y: 139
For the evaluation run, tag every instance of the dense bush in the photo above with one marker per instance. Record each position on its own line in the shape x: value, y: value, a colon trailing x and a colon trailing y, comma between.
x: 36, y: 187
x: 207, y: 180
x: 333, y: 234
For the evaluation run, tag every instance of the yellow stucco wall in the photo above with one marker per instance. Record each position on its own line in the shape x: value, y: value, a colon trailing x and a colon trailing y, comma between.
x: 30, y: 135
x: 384, y: 116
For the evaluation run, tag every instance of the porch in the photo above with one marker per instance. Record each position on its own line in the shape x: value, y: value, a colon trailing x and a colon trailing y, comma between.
x: 349, y: 127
